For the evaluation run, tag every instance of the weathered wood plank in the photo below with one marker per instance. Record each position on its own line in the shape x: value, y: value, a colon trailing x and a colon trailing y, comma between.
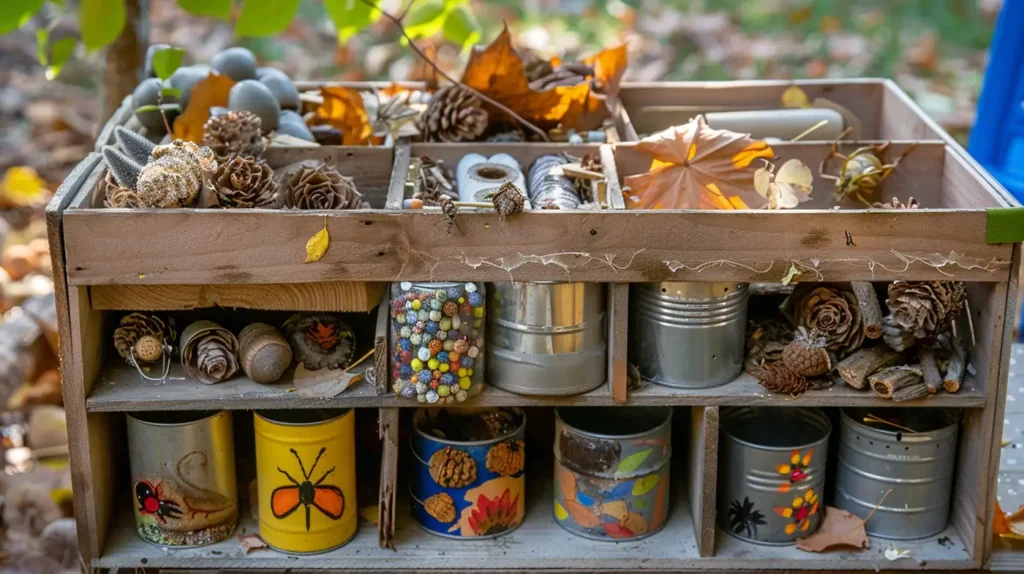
x: 618, y: 340
x: 387, y: 505
x: 702, y: 479
x: 337, y: 296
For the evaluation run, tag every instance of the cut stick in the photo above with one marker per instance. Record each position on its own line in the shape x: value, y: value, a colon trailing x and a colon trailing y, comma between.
x: 855, y: 369
x: 914, y: 391
x: 929, y: 370
x: 957, y: 366
x: 870, y: 308
x: 889, y: 380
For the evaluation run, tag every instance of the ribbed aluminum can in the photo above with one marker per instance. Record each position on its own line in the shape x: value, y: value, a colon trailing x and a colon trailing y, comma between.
x: 688, y: 335
x: 917, y: 466
x: 771, y: 475
x: 612, y: 471
x: 546, y: 337
x: 183, y: 477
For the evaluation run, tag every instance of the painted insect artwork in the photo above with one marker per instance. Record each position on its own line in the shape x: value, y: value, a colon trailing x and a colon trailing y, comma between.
x: 862, y: 172
x: 326, y: 498
x: 743, y: 518
x: 152, y: 502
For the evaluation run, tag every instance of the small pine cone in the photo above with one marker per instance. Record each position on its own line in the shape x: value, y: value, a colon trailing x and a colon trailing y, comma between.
x: 116, y: 196
x: 135, y: 326
x: 313, y: 185
x: 455, y: 114
x: 897, y: 204
x: 209, y: 352
x: 924, y: 309
x: 777, y: 378
x: 507, y: 457
x: 806, y: 359
x: 452, y: 468
x: 246, y: 182
x: 441, y: 507
x: 234, y: 134
x: 508, y: 200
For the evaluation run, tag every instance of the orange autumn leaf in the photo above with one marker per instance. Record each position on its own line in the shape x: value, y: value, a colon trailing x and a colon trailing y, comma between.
x: 1008, y: 525
x: 207, y: 93
x: 839, y: 528
x: 609, y: 66
x: 697, y: 167
x: 343, y: 109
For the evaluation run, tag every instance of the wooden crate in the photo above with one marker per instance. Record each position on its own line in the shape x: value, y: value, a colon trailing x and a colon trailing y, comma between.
x: 120, y: 260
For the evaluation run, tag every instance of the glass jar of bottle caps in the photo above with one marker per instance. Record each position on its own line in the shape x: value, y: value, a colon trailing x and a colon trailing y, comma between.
x: 437, y: 341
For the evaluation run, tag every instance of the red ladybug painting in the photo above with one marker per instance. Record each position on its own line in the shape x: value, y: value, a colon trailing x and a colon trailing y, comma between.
x: 151, y: 502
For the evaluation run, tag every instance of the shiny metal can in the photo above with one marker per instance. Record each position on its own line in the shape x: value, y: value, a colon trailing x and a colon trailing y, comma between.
x: 546, y: 337
x: 468, y: 489
x: 612, y: 471
x: 688, y: 335
x: 772, y: 473
x: 183, y: 477
x: 909, y: 461
x: 306, y: 476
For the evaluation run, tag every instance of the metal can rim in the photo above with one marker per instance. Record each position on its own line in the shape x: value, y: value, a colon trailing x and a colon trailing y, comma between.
x: 205, y: 415
x: 421, y: 412
x: 952, y: 423
x: 265, y: 416
x: 652, y: 430
x: 815, y: 411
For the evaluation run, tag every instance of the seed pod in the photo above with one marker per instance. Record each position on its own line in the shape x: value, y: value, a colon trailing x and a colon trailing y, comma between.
x: 264, y: 352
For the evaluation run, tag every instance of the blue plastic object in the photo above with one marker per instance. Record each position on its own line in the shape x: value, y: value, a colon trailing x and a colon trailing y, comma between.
x: 997, y: 140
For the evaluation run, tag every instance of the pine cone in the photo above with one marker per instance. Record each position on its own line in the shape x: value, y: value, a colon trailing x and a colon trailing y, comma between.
x: 924, y: 309
x: 116, y: 196
x: 827, y: 311
x: 508, y: 200
x: 246, y: 182
x: 435, y: 180
x: 234, y: 134
x: 777, y: 378
x: 806, y: 359
x: 897, y: 204
x: 209, y: 352
x: 441, y: 507
x: 136, y: 326
x: 455, y: 114
x: 507, y: 457
x: 313, y: 185
x: 452, y: 468
x: 570, y: 74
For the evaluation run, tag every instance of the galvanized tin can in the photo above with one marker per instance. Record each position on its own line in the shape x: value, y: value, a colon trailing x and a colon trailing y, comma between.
x: 546, y: 338
x: 612, y: 471
x: 917, y: 467
x: 772, y: 473
x: 306, y: 472
x: 437, y: 341
x: 183, y: 477
x: 468, y: 489
x: 688, y: 334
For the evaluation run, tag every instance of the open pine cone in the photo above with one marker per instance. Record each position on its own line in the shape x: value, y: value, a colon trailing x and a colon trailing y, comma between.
x: 312, y: 185
x: 455, y: 114
x: 209, y: 352
x: 246, y: 182
x: 777, y: 378
x: 234, y: 134
x: 135, y: 326
x: 924, y: 309
x: 827, y: 311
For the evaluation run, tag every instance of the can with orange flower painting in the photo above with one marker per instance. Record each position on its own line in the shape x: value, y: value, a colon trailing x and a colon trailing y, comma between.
x: 306, y: 475
x: 469, y: 479
x: 612, y: 471
x: 772, y: 473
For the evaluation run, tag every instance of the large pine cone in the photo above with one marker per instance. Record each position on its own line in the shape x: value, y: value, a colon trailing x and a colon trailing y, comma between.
x: 234, y: 134
x: 452, y: 468
x: 313, y: 185
x: 827, y: 311
x: 246, y: 182
x: 777, y: 378
x: 924, y: 309
x: 455, y: 114
x: 136, y: 326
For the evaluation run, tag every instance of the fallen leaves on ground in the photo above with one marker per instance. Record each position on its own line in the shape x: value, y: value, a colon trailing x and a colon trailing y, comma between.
x: 786, y: 188
x: 697, y: 167
x: 840, y: 528
x: 207, y: 93
x: 343, y: 109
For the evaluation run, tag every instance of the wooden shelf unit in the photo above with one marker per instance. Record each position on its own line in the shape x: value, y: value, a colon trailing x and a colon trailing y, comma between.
x: 111, y: 260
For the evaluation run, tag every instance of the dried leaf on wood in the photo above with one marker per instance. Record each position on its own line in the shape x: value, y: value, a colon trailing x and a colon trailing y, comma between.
x: 697, y: 167
x: 343, y: 109
x: 317, y: 245
x: 786, y: 188
x: 209, y: 92
x: 840, y: 528
x: 250, y: 542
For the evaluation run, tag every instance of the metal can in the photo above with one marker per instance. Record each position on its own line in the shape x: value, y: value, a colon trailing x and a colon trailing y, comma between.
x: 437, y: 341
x: 612, y: 471
x: 546, y: 337
x: 468, y: 489
x: 772, y: 473
x: 183, y: 477
x: 306, y: 476
x: 688, y: 335
x: 906, y: 456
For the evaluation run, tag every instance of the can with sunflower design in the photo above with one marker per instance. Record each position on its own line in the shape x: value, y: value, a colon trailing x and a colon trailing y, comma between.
x: 772, y: 473
x: 469, y: 476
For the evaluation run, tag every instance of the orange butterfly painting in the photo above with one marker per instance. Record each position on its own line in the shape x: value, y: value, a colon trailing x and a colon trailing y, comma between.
x: 326, y: 498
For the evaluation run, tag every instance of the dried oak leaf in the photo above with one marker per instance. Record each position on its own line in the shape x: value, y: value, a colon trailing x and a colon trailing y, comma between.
x: 343, y: 109
x: 209, y: 92
x: 840, y: 528
x: 697, y: 167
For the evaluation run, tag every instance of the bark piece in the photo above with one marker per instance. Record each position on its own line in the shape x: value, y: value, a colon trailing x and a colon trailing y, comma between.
x: 856, y: 368
x: 891, y: 379
x: 957, y: 366
x: 909, y: 392
x: 895, y: 336
x: 930, y: 369
x: 870, y: 308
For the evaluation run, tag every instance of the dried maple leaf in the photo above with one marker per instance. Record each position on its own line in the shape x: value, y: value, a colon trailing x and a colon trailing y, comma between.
x: 343, y: 109
x: 697, y: 167
x: 1008, y: 525
x: 786, y: 188
x: 207, y: 93
x: 840, y: 528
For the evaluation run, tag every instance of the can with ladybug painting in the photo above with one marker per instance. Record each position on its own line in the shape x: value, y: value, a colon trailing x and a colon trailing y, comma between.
x: 469, y: 471
x: 306, y: 476
x: 183, y: 477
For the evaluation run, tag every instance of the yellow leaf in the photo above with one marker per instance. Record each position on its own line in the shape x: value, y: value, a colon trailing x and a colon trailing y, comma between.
x: 369, y: 514
x: 560, y: 512
x: 791, y: 274
x: 795, y: 97
x: 317, y: 245
x: 343, y: 109
x: 22, y: 186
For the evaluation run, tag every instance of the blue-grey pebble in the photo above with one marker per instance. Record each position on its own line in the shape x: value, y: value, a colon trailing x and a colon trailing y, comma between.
x: 236, y: 63
x: 251, y: 95
x: 265, y: 71
x: 147, y: 93
x: 283, y: 89
x: 291, y: 123
x: 185, y: 78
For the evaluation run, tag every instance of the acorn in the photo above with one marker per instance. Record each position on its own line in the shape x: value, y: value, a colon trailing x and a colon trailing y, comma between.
x: 807, y: 359
x: 265, y: 354
x: 283, y: 89
x: 236, y: 63
x: 148, y: 71
x: 252, y: 96
x: 291, y: 123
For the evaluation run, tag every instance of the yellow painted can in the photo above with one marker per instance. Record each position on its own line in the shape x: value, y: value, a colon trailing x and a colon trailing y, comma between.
x: 306, y: 471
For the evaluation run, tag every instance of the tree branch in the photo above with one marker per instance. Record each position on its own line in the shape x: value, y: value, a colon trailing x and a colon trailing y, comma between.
x: 398, y: 23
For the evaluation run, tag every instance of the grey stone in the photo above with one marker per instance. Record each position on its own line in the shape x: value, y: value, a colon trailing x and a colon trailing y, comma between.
x: 251, y: 95
x: 236, y: 63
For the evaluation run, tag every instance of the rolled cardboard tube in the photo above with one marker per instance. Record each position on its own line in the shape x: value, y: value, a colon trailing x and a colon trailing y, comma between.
x: 784, y: 124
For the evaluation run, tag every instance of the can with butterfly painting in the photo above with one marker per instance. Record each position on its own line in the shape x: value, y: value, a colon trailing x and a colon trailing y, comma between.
x: 306, y: 472
x: 182, y: 477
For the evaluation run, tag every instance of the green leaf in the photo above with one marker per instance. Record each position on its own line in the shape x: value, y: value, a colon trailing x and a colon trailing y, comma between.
x: 350, y: 16
x: 61, y: 51
x: 166, y: 61
x: 633, y: 461
x: 645, y: 484
x: 101, y: 22
x: 219, y: 9
x: 425, y: 18
x: 14, y: 13
x: 461, y: 27
x: 171, y: 92
x: 265, y: 17
x: 42, y: 53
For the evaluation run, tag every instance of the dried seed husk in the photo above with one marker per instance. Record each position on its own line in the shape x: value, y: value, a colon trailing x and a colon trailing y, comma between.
x: 263, y: 352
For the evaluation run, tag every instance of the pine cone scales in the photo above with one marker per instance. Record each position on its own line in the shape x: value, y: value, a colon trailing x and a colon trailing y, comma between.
x: 455, y: 114
x: 211, y: 354
x: 234, y: 134
x: 246, y: 182
x: 829, y: 312
x: 136, y: 326
x: 317, y: 186
x: 806, y: 359
x: 777, y: 378
x: 452, y: 468
x: 924, y: 309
